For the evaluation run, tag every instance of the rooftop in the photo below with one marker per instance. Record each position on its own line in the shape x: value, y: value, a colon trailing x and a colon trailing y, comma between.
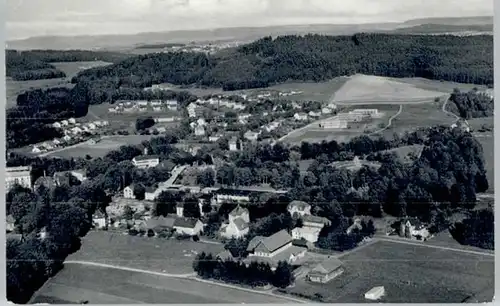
x: 327, y: 266
x: 145, y: 157
x: 186, y: 222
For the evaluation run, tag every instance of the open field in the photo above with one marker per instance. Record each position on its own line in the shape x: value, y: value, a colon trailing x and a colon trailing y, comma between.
x: 409, y: 273
x: 440, y: 86
x: 487, y: 140
x: 72, y: 68
x: 14, y: 88
x: 154, y: 254
x: 414, y: 116
x: 101, y: 148
x: 112, y: 286
x: 361, y: 89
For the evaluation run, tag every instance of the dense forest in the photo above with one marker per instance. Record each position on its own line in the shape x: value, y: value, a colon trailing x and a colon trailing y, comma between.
x: 472, y: 104
x: 35, y: 64
x: 311, y: 57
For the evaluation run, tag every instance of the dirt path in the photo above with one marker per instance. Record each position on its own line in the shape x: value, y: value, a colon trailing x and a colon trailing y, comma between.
x: 190, y: 276
x: 449, y: 113
x: 390, y: 121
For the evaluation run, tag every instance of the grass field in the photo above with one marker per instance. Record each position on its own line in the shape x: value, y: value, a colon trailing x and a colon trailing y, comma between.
x: 488, y: 142
x: 72, y: 68
x: 101, y: 148
x: 439, y: 86
x: 410, y: 274
x: 111, y: 286
x: 379, y: 90
x: 154, y: 254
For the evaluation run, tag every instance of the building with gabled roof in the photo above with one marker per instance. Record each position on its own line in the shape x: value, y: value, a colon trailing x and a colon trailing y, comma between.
x: 326, y: 271
x: 238, y: 224
x: 269, y: 246
x: 188, y: 226
x: 299, y: 208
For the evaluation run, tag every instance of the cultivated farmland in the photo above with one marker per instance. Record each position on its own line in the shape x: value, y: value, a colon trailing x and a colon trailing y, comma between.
x: 409, y: 273
x: 99, y: 285
x: 154, y: 254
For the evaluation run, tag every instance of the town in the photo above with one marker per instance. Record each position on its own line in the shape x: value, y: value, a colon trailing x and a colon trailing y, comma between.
x: 181, y: 173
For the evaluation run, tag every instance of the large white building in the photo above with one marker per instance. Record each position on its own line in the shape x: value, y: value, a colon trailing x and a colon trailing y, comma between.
x: 146, y: 161
x: 18, y: 175
x: 335, y: 123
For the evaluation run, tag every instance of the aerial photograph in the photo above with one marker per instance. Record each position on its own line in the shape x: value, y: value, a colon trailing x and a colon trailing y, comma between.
x: 249, y: 151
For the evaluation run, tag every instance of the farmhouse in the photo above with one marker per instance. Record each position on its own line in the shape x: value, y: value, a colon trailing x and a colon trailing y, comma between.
x: 273, y: 249
x: 326, y: 271
x: 188, y: 226
x: 299, y: 208
x: 18, y: 175
x: 146, y: 161
x: 414, y: 229
x: 237, y: 226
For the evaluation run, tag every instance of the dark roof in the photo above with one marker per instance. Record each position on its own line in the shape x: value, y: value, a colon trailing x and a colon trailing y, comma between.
x: 300, y: 242
x: 186, y: 222
x: 301, y: 205
x: 225, y: 255
x: 277, y: 240
x: 254, y: 242
x: 327, y: 266
x: 157, y: 222
x: 316, y: 219
x: 238, y: 211
x: 146, y: 157
x: 240, y: 224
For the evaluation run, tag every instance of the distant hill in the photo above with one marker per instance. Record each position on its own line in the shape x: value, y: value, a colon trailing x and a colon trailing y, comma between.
x: 244, y: 34
x: 431, y: 28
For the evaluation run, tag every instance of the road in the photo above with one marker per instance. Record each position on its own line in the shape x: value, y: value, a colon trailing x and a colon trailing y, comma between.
x: 390, y: 121
x: 190, y: 276
x: 449, y: 113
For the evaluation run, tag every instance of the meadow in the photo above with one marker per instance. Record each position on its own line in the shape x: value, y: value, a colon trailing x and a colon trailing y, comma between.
x: 99, y: 285
x: 409, y: 273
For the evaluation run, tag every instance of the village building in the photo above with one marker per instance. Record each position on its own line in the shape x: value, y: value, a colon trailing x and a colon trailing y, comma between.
x: 232, y: 195
x: 252, y: 136
x: 128, y: 192
x: 150, y: 194
x: 300, y: 116
x: 326, y: 271
x: 146, y: 161
x: 99, y: 220
x: 413, y: 228
x: 225, y: 256
x: 172, y: 104
x: 56, y: 125
x: 238, y: 224
x: 159, y: 224
x: 299, y: 208
x: 188, y: 226
x: 18, y: 175
x: 199, y: 130
x: 234, y: 144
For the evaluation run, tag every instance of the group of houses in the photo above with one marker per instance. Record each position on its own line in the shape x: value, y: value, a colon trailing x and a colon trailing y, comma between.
x: 138, y: 106
x: 342, y: 120
x: 222, y: 101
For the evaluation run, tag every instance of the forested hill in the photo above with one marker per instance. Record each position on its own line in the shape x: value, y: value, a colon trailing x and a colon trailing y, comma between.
x: 311, y: 57
x: 35, y: 64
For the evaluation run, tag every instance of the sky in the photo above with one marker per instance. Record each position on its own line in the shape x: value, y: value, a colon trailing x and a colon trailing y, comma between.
x: 27, y: 18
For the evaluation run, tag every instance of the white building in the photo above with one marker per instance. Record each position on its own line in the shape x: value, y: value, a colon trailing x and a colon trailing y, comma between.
x: 64, y: 123
x: 365, y: 111
x: 199, y: 130
x: 146, y: 161
x: 375, y: 293
x: 128, y: 192
x: 326, y: 110
x: 71, y: 121
x: 191, y: 109
x: 252, y: 136
x: 18, y: 176
x: 314, y: 114
x: 300, y: 116
x: 172, y: 104
x: 188, y: 226
x: 299, y: 208
x: 234, y: 144
x: 56, y: 125
x: 334, y: 123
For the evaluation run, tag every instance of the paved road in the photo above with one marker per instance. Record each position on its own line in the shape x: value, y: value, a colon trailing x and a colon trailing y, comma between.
x: 190, y: 276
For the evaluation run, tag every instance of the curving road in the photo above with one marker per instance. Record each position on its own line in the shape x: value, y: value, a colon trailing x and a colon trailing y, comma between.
x: 190, y: 276
x: 390, y: 121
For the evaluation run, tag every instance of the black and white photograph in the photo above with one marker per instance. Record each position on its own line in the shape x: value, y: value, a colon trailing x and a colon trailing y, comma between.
x: 249, y: 151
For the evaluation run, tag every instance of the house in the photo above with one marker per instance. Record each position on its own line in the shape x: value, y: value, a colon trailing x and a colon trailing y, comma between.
x: 326, y: 271
x: 199, y: 130
x: 414, y: 229
x: 142, y: 103
x: 99, y: 220
x: 150, y: 194
x: 172, y: 104
x: 18, y: 176
x: 56, y: 142
x: 157, y: 109
x: 326, y: 110
x: 214, y: 138
x: 308, y: 233
x: 315, y: 221
x: 64, y: 123
x: 62, y: 178
x: 71, y: 121
x: 234, y: 144
x: 56, y: 125
x: 238, y: 225
x: 201, y: 122
x: 299, y: 208
x: 146, y: 161
x: 67, y: 138
x: 225, y: 256
x: 252, y: 136
x: 269, y: 246
x: 300, y: 116
x: 128, y: 192
x: 161, y: 223
x: 80, y: 175
x: 188, y: 226
x: 155, y: 103
x: 191, y: 109
x: 295, y: 105
x: 10, y: 224
x: 356, y: 225
x: 314, y: 114
x: 36, y: 149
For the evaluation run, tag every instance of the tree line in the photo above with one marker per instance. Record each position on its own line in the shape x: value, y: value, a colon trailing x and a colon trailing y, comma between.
x: 301, y: 58
x: 471, y: 104
x: 256, y: 274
